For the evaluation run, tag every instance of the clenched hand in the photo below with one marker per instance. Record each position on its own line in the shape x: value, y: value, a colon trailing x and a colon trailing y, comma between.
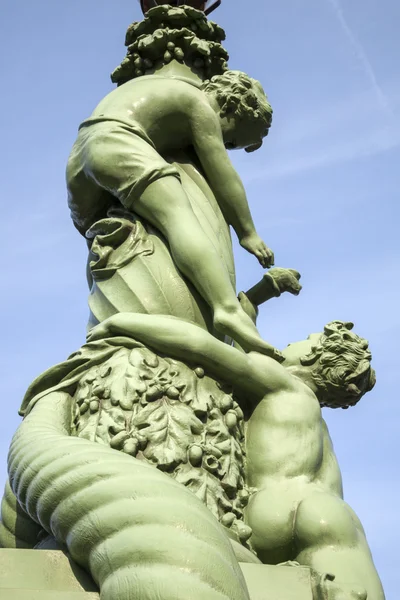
x: 255, y: 245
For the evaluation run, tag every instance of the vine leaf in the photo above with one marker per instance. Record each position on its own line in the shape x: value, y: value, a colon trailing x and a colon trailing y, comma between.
x: 168, y: 426
x: 206, y: 487
x: 109, y: 421
x: 231, y: 468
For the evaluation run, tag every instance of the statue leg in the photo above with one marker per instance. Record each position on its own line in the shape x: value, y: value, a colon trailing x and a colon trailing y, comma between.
x: 165, y: 205
x: 113, y: 159
x: 330, y: 538
x: 138, y: 532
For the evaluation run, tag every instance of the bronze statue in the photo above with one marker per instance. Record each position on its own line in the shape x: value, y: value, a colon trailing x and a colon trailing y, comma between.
x: 159, y: 456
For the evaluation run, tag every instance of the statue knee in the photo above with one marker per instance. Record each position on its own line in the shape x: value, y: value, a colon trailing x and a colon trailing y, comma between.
x: 323, y: 519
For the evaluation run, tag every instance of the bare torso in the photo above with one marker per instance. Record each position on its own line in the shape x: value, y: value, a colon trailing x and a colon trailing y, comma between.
x: 289, y: 456
x: 161, y: 106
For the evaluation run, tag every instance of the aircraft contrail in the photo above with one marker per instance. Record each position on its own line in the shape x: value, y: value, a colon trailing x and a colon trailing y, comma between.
x: 360, y: 54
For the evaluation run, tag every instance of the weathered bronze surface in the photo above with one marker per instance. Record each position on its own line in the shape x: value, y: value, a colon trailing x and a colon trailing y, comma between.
x: 177, y: 453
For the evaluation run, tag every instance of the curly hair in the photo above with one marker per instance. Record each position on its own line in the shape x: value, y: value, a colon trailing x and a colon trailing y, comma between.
x: 239, y: 94
x: 341, y: 366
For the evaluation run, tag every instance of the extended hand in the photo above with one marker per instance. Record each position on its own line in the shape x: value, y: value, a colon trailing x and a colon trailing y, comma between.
x: 255, y: 245
x: 287, y: 280
x: 275, y: 282
x: 99, y: 332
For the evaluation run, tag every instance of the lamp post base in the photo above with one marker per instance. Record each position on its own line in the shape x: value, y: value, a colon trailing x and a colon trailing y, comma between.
x: 51, y: 575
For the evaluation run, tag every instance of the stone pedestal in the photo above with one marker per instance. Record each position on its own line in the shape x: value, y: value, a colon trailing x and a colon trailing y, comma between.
x: 50, y: 575
x: 43, y: 575
x: 266, y: 582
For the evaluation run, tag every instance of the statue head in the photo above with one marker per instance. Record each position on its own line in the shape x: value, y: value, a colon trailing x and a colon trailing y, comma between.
x: 243, y: 108
x: 336, y: 364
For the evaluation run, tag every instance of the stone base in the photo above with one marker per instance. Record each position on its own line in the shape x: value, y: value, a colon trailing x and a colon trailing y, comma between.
x: 266, y: 582
x: 47, y: 570
x: 51, y: 575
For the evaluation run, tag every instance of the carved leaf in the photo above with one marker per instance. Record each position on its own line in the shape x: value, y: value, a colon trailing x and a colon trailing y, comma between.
x: 202, y: 400
x: 230, y: 465
x: 206, y: 487
x: 168, y: 426
x: 109, y: 422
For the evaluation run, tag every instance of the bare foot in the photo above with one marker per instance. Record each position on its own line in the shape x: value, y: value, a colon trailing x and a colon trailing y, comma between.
x: 237, y: 325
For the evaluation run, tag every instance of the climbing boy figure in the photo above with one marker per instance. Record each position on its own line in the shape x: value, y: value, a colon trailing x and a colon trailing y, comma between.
x: 118, y: 156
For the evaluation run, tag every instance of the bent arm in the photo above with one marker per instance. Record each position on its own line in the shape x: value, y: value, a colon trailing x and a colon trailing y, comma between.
x: 189, y: 343
x: 222, y: 176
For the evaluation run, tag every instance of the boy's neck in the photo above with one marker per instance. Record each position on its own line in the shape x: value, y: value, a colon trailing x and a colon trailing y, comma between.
x: 177, y: 70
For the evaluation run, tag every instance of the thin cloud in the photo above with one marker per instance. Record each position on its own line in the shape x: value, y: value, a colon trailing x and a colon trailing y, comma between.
x: 360, y: 54
x: 376, y: 142
x: 338, y: 132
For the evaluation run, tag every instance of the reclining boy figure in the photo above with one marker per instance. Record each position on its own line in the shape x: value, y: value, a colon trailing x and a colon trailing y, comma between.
x: 118, y: 157
x: 297, y: 512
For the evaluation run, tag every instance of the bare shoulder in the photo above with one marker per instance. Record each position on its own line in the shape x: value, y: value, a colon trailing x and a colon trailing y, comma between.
x: 189, y: 100
x: 188, y: 95
x: 162, y: 91
x: 199, y: 106
x: 273, y: 376
x: 326, y: 432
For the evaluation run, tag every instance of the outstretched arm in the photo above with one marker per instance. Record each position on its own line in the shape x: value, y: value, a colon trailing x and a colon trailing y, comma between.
x: 274, y: 283
x: 226, y: 183
x: 251, y: 374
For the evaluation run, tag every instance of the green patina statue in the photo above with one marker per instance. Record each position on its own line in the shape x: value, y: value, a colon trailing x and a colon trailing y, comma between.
x: 118, y: 156
x: 159, y: 456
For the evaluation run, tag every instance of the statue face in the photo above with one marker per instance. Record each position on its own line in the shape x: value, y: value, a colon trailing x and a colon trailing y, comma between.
x: 336, y: 365
x: 246, y: 131
x: 243, y: 109
x: 242, y: 132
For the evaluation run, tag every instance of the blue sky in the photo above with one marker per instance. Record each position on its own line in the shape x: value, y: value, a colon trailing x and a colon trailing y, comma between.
x: 323, y: 190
